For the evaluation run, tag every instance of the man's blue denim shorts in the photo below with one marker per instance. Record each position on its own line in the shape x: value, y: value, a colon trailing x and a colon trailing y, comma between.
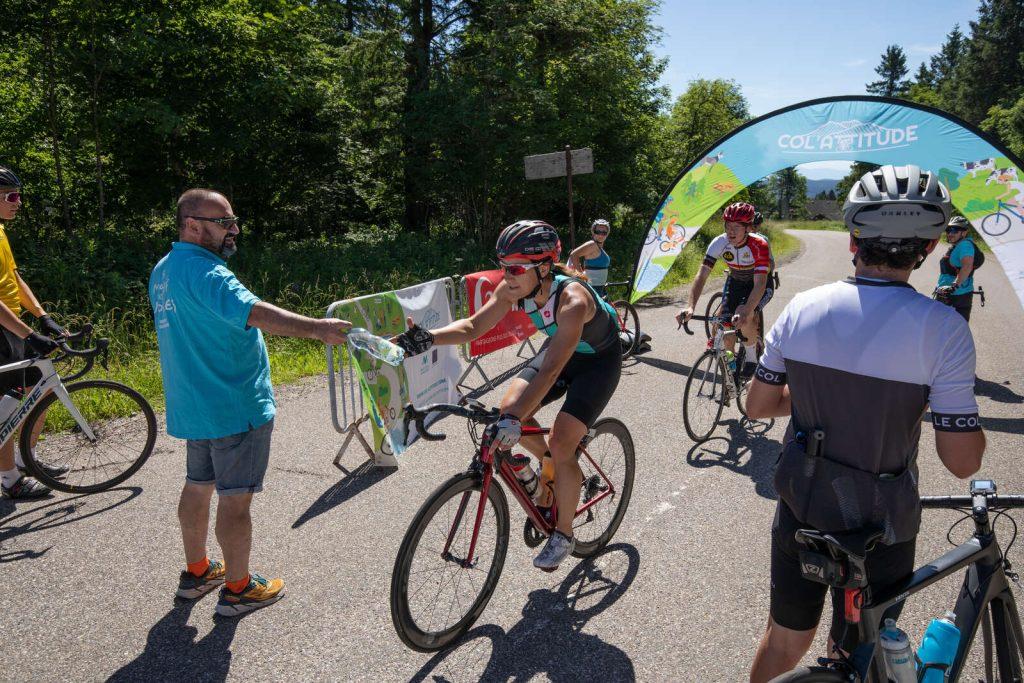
x: 236, y: 463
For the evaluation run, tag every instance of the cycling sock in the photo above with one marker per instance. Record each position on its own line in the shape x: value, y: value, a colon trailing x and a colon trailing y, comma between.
x: 237, y: 586
x: 10, y: 477
x: 751, y: 353
x: 18, y: 462
x: 199, y: 568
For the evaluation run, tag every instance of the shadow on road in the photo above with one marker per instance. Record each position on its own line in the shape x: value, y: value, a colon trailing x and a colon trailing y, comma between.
x: 666, y: 365
x: 54, y: 514
x: 744, y: 451
x: 347, y: 488
x: 996, y: 391
x: 173, y: 653
x: 549, y: 641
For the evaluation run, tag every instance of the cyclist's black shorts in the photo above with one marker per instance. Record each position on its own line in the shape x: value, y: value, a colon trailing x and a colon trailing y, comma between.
x: 735, y: 294
x: 796, y: 602
x: 587, y: 381
x: 12, y: 349
x: 962, y: 303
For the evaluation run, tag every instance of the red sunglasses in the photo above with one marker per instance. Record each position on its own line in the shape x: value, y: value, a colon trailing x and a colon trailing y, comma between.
x: 12, y: 197
x: 517, y: 268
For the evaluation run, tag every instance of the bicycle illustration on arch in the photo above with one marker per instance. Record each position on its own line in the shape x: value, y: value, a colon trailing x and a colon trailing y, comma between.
x: 999, y: 223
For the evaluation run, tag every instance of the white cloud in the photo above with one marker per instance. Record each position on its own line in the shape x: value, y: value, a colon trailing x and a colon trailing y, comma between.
x: 855, y: 62
x: 918, y: 49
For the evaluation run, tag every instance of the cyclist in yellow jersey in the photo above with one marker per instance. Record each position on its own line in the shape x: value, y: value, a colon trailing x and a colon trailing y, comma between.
x: 15, y: 338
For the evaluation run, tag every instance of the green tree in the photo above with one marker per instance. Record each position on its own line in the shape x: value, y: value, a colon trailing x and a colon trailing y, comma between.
x: 991, y: 72
x: 708, y: 110
x: 789, y: 191
x: 857, y: 171
x: 1007, y: 124
x: 946, y: 61
x: 891, y: 71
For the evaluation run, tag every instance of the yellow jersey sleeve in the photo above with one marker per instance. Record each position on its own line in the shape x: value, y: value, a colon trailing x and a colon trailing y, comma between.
x: 9, y: 290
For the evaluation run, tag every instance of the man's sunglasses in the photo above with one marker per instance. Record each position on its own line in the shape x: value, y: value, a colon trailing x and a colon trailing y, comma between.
x: 599, y: 231
x: 225, y: 222
x: 12, y: 197
x: 517, y: 268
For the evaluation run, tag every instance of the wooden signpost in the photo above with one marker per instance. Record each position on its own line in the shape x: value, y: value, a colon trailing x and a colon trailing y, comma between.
x: 557, y: 164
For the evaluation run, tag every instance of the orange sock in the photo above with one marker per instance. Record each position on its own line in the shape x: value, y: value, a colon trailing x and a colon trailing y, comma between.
x: 237, y: 586
x: 199, y: 568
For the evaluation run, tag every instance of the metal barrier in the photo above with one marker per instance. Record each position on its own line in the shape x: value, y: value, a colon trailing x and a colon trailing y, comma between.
x: 348, y: 410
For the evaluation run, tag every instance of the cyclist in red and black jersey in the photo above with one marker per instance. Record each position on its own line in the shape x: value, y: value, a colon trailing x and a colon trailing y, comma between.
x: 748, y: 257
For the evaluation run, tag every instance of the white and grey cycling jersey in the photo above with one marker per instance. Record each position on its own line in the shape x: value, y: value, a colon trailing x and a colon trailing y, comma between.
x: 909, y: 350
x: 864, y: 359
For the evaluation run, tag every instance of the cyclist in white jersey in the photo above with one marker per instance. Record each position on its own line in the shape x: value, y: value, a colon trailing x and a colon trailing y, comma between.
x: 856, y: 364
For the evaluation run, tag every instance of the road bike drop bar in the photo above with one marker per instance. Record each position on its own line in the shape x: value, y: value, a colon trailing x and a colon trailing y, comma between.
x: 474, y: 412
x: 713, y: 319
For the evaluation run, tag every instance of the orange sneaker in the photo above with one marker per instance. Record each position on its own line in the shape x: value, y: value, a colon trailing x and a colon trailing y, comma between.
x: 259, y: 593
x: 192, y: 587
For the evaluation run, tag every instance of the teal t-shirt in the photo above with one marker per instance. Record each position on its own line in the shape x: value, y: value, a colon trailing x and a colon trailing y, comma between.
x: 216, y: 371
x: 964, y: 248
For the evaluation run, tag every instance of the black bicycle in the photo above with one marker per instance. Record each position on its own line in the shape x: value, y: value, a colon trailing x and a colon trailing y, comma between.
x: 629, y: 321
x: 986, y: 599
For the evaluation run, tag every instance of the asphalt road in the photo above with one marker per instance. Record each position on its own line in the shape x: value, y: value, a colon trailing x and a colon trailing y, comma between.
x: 681, y: 594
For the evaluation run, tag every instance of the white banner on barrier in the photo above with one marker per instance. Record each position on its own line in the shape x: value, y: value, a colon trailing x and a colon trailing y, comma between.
x: 432, y: 376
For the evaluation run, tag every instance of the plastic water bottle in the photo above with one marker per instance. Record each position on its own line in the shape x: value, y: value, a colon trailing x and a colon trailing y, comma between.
x: 730, y: 359
x: 524, y: 473
x: 8, y: 404
x: 939, y: 646
x: 898, y: 653
x: 378, y: 347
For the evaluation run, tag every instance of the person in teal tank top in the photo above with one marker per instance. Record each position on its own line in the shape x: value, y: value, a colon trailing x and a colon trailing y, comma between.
x: 592, y: 259
x: 581, y: 360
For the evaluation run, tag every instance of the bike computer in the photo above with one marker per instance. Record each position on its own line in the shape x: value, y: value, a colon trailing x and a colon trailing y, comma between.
x: 983, y: 487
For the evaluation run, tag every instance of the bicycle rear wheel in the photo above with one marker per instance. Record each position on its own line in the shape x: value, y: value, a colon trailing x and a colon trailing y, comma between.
x: 704, y: 397
x: 437, y: 594
x: 123, y: 427
x: 610, y: 467
x: 811, y: 674
x: 629, y: 323
x: 713, y: 309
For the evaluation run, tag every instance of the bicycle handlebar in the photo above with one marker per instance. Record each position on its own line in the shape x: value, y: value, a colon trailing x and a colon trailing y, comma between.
x: 102, y: 347
x: 417, y: 416
x: 955, y: 502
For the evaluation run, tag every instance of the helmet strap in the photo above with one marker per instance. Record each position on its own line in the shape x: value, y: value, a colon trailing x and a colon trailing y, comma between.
x: 540, y: 282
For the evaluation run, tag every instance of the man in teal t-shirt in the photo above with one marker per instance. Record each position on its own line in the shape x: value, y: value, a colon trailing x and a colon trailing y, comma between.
x: 216, y: 376
x: 956, y: 269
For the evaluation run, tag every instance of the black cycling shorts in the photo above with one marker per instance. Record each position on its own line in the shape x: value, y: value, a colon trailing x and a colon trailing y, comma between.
x: 736, y: 292
x: 796, y: 602
x: 587, y: 381
x: 962, y: 303
x: 12, y: 349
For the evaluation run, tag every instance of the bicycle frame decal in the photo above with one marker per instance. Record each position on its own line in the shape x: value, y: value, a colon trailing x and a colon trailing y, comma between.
x: 985, y: 179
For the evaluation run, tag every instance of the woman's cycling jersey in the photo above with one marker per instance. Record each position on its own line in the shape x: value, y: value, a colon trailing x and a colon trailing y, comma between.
x: 597, y: 268
x: 599, y: 333
x: 753, y: 257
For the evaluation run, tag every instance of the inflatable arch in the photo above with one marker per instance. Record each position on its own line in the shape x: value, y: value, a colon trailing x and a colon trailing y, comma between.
x: 985, y: 179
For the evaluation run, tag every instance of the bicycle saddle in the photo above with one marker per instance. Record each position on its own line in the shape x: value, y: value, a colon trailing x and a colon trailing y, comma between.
x: 853, y: 544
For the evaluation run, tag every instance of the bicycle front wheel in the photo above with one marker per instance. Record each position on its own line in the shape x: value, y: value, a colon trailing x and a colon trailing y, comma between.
x: 704, y: 397
x: 437, y: 590
x: 629, y: 323
x: 123, y: 430
x: 811, y: 674
x: 608, y: 469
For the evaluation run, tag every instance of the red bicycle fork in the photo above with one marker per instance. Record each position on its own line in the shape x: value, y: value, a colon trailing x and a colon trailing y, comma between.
x: 532, y: 511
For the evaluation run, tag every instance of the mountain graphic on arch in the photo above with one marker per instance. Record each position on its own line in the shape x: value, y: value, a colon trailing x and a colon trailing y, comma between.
x: 846, y: 128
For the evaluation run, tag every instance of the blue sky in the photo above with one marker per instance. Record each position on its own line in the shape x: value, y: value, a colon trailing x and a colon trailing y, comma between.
x: 797, y: 50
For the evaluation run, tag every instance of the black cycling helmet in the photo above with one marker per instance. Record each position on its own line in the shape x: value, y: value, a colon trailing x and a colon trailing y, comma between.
x: 7, y: 178
x: 530, y: 239
x: 758, y: 218
x: 958, y: 224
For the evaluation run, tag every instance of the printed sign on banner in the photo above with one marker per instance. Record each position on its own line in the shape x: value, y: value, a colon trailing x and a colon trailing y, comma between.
x: 513, y: 328
x: 433, y: 375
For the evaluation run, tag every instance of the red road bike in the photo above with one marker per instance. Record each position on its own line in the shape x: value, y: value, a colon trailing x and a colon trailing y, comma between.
x: 452, y: 555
